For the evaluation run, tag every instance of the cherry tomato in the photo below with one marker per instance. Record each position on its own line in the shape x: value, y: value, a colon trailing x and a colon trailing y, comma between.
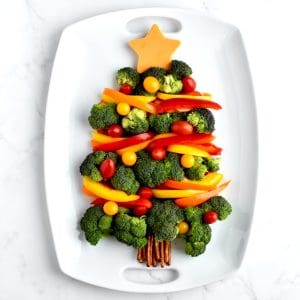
x: 189, y: 84
x: 110, y: 208
x: 145, y: 192
x: 210, y: 217
x: 115, y: 130
x: 183, y: 227
x: 129, y: 158
x: 140, y: 211
x: 187, y: 160
x: 126, y: 89
x: 158, y: 153
x: 182, y: 128
x: 151, y: 84
x: 108, y: 168
x: 123, y: 108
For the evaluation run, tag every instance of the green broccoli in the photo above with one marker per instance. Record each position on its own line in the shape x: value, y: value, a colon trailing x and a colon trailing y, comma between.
x: 130, y: 230
x: 128, y: 75
x: 160, y: 123
x: 212, y: 164
x: 156, y: 72
x: 176, y: 171
x: 163, y: 218
x: 180, y: 69
x: 171, y: 85
x: 197, y: 171
x: 95, y: 224
x: 195, y: 248
x: 103, y: 115
x: 135, y: 122
x: 124, y: 180
x: 193, y: 214
x: 178, y: 116
x: 202, y: 119
x: 218, y: 204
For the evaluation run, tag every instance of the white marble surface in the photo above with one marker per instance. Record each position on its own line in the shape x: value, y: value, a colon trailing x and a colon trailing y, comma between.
x: 30, y: 31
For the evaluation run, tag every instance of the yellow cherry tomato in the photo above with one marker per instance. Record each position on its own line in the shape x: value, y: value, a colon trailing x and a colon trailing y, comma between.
x: 110, y: 208
x: 123, y: 108
x: 187, y: 160
x: 183, y: 227
x: 151, y: 84
x: 129, y: 158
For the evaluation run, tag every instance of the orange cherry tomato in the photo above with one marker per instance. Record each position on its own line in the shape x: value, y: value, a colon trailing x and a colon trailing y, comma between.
x: 110, y: 208
x: 183, y: 227
x: 123, y: 108
x: 129, y: 158
x: 151, y: 84
x: 187, y: 160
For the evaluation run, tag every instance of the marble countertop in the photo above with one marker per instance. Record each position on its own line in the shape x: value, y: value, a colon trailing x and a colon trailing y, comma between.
x: 30, y: 31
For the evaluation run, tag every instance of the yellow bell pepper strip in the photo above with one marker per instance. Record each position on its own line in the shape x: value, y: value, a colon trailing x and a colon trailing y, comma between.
x: 136, y: 101
x: 103, y: 191
x: 160, y: 193
x: 163, y: 96
x: 184, y: 149
x: 209, y: 182
x: 103, y: 138
x: 201, y: 197
x: 144, y: 99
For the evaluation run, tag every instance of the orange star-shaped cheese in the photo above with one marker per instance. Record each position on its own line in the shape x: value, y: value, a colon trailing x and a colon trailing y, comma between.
x: 154, y: 50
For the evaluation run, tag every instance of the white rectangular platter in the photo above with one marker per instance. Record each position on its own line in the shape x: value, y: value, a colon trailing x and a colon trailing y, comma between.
x: 89, y: 54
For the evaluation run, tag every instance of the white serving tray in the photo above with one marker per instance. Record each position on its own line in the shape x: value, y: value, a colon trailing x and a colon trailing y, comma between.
x: 87, y: 58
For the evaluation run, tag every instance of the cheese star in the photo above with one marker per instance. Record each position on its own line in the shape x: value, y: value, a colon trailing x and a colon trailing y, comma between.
x: 154, y: 50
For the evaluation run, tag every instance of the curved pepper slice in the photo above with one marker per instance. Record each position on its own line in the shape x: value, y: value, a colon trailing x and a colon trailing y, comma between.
x: 103, y: 191
x: 184, y: 149
x: 180, y: 104
x: 210, y: 181
x: 136, y: 139
x: 158, y: 193
x: 199, y: 96
x: 103, y: 138
x: 201, y: 197
x: 182, y: 139
x: 210, y: 148
x: 131, y: 204
x: 135, y: 101
x: 144, y: 99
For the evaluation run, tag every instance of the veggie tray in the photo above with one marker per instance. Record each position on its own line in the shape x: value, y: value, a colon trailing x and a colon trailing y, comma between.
x: 158, y: 198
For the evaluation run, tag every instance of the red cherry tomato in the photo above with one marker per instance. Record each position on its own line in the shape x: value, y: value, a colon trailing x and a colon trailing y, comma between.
x: 126, y: 89
x: 140, y: 211
x: 107, y: 168
x: 210, y: 217
x: 189, y: 84
x: 145, y: 192
x: 182, y: 128
x: 115, y: 130
x: 158, y: 153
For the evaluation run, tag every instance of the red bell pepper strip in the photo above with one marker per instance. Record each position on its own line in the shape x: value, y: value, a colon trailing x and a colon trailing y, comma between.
x: 210, y: 148
x: 181, y: 139
x: 124, y: 143
x: 179, y: 104
x: 131, y: 204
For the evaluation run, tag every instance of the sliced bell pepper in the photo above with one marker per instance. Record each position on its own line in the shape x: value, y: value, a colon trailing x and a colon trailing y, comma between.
x: 160, y: 193
x: 184, y: 149
x: 209, y: 182
x: 136, y: 101
x: 181, y: 139
x: 103, y: 191
x: 131, y: 204
x: 164, y: 96
x: 103, y: 138
x: 201, y: 197
x: 133, y: 140
x: 180, y: 104
x: 210, y: 148
x: 144, y: 99
x: 87, y: 192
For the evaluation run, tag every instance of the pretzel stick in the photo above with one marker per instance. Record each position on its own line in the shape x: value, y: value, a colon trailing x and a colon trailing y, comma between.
x: 162, y: 254
x: 169, y: 259
x: 139, y: 255
x: 157, y: 251
x: 148, y: 256
x: 167, y: 252
x: 154, y: 261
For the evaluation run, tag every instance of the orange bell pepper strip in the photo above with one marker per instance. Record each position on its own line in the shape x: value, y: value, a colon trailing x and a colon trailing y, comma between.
x: 87, y: 192
x: 135, y: 101
x: 159, y: 193
x: 185, y: 149
x: 103, y: 191
x: 103, y: 138
x: 201, y: 197
x: 144, y: 99
x: 209, y: 182
x: 163, y: 96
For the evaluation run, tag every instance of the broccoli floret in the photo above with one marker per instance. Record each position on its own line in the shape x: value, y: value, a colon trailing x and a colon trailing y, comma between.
x: 218, y: 204
x: 162, y: 219
x: 196, y: 172
x: 156, y: 72
x: 176, y: 171
x: 178, y: 116
x: 160, y: 123
x: 212, y: 164
x: 128, y: 75
x: 171, y: 85
x: 95, y: 224
x: 103, y: 115
x: 135, y: 122
x: 180, y: 69
x: 150, y: 172
x: 95, y: 174
x: 195, y: 249
x: 193, y: 214
x: 124, y: 180
x: 202, y: 119
x: 99, y: 156
x: 130, y: 230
